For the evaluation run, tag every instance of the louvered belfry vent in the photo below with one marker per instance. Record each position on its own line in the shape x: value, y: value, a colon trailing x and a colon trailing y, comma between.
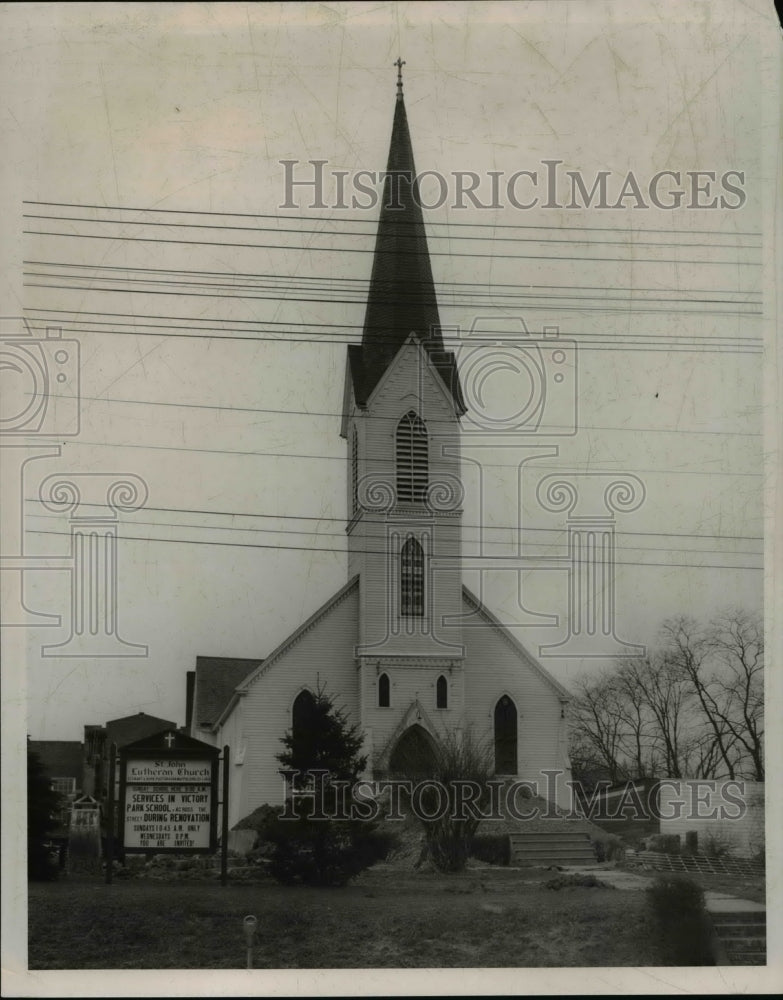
x: 412, y: 459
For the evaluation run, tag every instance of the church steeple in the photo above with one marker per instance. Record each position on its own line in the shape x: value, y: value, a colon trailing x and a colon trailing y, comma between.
x: 401, y: 299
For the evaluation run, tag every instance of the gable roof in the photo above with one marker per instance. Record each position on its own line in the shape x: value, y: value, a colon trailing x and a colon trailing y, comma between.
x: 264, y: 665
x: 470, y: 597
x: 172, y: 743
x: 216, y: 679
x: 134, y: 727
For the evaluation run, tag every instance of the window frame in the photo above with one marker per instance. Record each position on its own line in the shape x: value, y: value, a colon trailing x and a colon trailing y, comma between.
x: 384, y: 676
x: 411, y: 458
x: 412, y: 566
x: 445, y: 688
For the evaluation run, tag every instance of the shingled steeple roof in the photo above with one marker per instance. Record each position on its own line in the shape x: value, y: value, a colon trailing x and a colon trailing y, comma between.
x: 401, y: 299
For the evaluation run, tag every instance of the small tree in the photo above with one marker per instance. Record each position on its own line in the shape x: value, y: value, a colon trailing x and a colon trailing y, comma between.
x: 43, y: 804
x: 450, y: 804
x: 317, y: 841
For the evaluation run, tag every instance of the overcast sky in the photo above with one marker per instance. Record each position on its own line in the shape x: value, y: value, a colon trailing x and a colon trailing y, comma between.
x: 191, y: 108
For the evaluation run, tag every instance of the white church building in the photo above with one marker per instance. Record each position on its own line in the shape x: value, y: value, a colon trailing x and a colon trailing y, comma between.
x: 403, y: 645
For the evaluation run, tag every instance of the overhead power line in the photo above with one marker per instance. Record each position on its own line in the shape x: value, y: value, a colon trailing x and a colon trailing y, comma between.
x: 343, y: 552
x: 377, y: 419
x: 331, y: 300
x: 392, y: 461
x: 365, y: 282
x: 466, y: 541
x: 594, y: 342
x: 372, y: 233
x: 320, y: 218
x: 342, y: 520
x: 672, y: 348
x: 378, y: 251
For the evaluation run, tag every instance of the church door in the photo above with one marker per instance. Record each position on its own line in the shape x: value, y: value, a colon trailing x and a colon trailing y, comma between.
x: 414, y: 755
x: 505, y: 736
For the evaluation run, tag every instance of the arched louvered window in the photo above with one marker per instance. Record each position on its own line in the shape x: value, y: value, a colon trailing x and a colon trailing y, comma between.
x: 505, y: 736
x: 442, y: 692
x: 384, y: 691
x: 412, y: 580
x: 412, y: 459
x: 354, y: 471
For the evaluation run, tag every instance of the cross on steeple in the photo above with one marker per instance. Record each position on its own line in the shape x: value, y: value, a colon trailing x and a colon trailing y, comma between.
x: 399, y: 64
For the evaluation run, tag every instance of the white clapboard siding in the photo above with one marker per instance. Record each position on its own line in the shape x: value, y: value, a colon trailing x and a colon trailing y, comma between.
x: 495, y: 666
x: 323, y: 649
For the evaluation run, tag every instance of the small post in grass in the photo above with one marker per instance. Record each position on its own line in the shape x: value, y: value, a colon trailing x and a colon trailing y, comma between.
x: 249, y: 925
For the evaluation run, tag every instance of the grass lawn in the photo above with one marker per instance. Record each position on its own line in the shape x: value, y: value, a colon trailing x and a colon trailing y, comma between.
x: 481, y: 918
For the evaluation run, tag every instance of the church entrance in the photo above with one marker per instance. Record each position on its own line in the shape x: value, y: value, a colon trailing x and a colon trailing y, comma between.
x: 414, y: 755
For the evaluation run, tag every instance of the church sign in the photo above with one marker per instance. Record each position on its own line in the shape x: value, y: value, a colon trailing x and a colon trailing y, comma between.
x: 168, y: 795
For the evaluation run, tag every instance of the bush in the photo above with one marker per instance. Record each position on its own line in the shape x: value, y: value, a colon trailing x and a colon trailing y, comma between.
x: 608, y: 848
x: 458, y: 757
x: 666, y: 843
x: 681, y: 920
x: 718, y: 844
x: 576, y: 881
x: 491, y: 848
x: 43, y: 803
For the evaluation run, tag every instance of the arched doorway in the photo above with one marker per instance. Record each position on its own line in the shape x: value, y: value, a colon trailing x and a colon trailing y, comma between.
x: 505, y: 736
x: 414, y: 754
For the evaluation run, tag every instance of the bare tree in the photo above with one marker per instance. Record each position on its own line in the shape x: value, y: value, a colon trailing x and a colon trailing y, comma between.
x: 667, y: 698
x: 724, y: 667
x: 597, y: 725
x: 694, y: 708
x: 736, y: 639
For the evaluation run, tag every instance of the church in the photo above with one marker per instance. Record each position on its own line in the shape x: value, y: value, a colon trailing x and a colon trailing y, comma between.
x: 403, y: 646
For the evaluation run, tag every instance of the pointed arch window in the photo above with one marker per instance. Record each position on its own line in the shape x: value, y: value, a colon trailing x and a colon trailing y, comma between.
x: 354, y: 471
x: 384, y: 691
x: 442, y: 692
x: 505, y: 736
x: 412, y: 580
x: 412, y: 456
x: 302, y: 714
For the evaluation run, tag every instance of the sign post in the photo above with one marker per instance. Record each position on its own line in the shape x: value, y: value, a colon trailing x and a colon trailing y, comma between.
x: 110, y: 815
x: 224, y: 825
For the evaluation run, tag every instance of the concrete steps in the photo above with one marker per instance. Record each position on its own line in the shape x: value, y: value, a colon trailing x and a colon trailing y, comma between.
x: 741, y: 936
x: 551, y: 849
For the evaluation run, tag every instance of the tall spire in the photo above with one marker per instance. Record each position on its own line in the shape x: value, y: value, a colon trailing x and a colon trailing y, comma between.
x: 401, y: 299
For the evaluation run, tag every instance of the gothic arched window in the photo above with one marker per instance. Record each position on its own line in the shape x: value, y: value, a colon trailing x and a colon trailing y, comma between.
x: 412, y: 459
x: 384, y: 691
x: 412, y: 580
x: 302, y: 714
x: 505, y: 736
x: 442, y: 692
x: 354, y: 471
